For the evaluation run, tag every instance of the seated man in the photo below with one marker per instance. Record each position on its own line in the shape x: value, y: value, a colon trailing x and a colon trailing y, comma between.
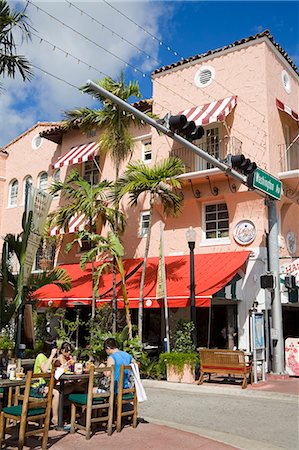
x: 116, y: 358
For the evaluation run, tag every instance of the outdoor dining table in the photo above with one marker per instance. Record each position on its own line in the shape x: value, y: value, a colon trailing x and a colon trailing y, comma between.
x: 7, y: 384
x: 66, y: 377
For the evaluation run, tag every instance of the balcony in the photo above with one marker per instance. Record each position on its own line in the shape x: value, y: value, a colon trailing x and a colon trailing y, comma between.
x: 289, y: 156
x: 216, y: 148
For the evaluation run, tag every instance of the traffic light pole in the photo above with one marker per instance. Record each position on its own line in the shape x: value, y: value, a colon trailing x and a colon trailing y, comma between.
x: 277, y: 328
x: 125, y: 106
x: 278, y: 356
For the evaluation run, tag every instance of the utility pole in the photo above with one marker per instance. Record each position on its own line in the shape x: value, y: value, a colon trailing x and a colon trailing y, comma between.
x: 277, y: 328
x: 278, y: 362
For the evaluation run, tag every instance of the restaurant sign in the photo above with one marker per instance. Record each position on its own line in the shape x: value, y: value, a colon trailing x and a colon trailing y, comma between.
x: 39, y: 203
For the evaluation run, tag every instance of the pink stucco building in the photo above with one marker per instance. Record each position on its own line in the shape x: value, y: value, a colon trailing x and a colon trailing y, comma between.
x: 246, y: 96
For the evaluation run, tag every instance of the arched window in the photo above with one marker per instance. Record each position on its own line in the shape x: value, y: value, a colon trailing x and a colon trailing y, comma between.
x: 28, y: 181
x: 43, y: 181
x: 13, y: 193
x: 56, y: 179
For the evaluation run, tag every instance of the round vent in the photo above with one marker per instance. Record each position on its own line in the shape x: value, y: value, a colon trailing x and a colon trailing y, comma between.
x: 204, y: 76
x: 36, y: 142
x: 286, y: 81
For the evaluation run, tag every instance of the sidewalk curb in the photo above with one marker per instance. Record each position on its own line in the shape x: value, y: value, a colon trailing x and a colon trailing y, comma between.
x: 218, y: 390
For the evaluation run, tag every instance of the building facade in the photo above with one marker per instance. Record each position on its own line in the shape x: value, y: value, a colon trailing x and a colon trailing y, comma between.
x: 246, y: 97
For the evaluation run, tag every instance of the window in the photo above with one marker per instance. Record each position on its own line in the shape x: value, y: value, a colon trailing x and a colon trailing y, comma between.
x: 216, y: 221
x: 144, y: 224
x: 85, y: 245
x: 13, y: 193
x: 43, y: 181
x: 44, y: 259
x: 91, y: 133
x: 37, y: 142
x: 204, y: 76
x: 91, y: 171
x: 211, y: 144
x: 147, y: 151
x: 28, y: 181
x: 56, y: 179
x: 286, y: 81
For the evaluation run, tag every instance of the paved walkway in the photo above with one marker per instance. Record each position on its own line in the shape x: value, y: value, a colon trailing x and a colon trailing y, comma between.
x: 153, y: 436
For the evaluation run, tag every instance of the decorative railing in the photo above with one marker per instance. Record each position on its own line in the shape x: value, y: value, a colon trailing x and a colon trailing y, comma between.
x: 219, y: 149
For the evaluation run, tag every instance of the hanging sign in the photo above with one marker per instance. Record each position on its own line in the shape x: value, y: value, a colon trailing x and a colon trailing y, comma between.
x: 39, y: 203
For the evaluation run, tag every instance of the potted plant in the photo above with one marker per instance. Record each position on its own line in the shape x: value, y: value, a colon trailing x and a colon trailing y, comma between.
x: 180, y: 363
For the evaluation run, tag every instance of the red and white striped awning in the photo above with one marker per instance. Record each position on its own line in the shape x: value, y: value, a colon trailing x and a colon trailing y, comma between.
x: 77, y: 155
x: 283, y: 107
x: 77, y: 223
x: 211, y: 112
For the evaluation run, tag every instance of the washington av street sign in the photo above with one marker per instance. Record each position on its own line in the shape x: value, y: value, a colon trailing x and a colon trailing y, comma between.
x: 265, y: 182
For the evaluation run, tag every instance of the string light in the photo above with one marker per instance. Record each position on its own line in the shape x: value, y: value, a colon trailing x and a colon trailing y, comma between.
x: 136, y: 70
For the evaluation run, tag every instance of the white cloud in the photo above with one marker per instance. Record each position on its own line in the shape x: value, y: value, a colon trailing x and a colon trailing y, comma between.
x: 23, y: 104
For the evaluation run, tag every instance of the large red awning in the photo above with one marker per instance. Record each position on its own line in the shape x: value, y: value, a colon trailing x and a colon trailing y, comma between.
x: 213, y: 271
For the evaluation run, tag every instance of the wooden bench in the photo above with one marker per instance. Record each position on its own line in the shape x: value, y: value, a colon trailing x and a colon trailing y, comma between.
x: 224, y: 362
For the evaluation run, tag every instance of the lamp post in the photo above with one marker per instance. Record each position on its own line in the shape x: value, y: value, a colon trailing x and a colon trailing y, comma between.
x: 191, y: 238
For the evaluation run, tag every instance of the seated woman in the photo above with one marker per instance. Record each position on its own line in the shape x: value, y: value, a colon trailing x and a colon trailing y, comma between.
x: 43, y: 363
x: 65, y: 360
x: 64, y: 357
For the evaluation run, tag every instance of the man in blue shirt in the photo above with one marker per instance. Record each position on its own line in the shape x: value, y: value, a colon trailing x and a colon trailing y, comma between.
x: 116, y: 358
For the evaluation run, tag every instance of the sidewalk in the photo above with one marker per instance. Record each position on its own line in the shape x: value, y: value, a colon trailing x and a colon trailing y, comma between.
x: 154, y: 436
x: 284, y: 387
x: 147, y: 436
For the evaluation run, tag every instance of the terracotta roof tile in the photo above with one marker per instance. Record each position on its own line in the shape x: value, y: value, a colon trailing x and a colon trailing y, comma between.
x: 265, y: 33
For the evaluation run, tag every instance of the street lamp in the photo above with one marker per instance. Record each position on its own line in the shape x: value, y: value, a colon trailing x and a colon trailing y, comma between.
x: 191, y: 238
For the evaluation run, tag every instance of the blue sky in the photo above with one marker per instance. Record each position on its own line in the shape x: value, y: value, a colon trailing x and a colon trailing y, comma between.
x: 189, y: 28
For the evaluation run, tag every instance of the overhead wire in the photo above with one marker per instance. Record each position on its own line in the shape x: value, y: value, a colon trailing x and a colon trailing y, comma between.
x: 111, y: 53
x: 175, y: 52
x: 82, y: 12
x: 161, y: 43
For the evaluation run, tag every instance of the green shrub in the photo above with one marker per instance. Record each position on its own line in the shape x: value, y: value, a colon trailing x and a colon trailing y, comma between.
x: 178, y: 360
x: 183, y: 337
x: 152, y: 368
x: 6, y: 343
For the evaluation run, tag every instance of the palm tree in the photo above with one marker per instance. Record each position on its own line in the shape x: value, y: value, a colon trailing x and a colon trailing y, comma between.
x: 105, y: 248
x: 115, y: 138
x: 10, y: 62
x: 11, y: 283
x: 115, y: 123
x: 81, y: 198
x: 160, y: 182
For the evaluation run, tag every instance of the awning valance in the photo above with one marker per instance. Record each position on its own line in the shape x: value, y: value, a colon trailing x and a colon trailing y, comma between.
x: 77, y: 155
x: 211, y: 112
x: 285, y: 108
x: 213, y: 271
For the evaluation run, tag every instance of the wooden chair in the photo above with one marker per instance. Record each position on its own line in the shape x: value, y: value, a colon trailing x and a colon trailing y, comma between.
x: 98, y: 408
x: 125, y: 397
x: 30, y: 410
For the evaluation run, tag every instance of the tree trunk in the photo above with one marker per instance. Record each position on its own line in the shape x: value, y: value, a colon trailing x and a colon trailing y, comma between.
x: 115, y: 230
x: 146, y: 251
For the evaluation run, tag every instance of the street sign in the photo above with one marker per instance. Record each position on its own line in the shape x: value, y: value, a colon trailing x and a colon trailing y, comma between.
x: 265, y: 182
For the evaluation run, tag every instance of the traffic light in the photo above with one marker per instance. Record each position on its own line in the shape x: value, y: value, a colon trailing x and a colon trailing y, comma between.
x: 242, y: 164
x: 180, y: 125
x: 290, y: 281
x: 267, y: 281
